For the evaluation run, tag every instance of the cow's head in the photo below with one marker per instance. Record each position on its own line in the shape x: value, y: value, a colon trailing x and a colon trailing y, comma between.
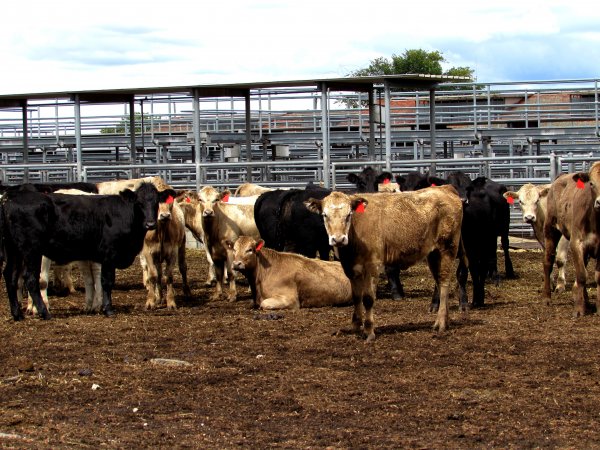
x: 529, y: 197
x: 147, y: 199
x: 337, y: 210
x: 244, y: 252
x: 165, y: 209
x: 208, y: 198
x: 368, y: 180
x: 591, y: 179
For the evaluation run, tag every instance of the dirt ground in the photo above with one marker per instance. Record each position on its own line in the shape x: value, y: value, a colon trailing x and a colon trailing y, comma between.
x: 515, y: 374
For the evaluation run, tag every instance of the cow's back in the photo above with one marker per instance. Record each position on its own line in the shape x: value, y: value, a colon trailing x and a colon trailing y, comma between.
x: 404, y: 227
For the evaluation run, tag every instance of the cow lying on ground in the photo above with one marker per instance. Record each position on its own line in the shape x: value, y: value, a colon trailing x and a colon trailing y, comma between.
x: 250, y: 189
x: 574, y: 212
x: 115, y: 186
x: 533, y: 201
x: 222, y: 222
x: 165, y: 244
x: 287, y: 280
x: 371, y: 230
x: 107, y: 229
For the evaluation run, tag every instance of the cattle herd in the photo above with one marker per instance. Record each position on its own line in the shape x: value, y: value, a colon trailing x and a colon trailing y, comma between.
x: 296, y: 247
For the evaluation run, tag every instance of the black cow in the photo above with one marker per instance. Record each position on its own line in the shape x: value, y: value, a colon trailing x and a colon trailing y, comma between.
x: 413, y: 181
x: 285, y: 224
x: 50, y: 187
x: 108, y: 229
x: 368, y: 180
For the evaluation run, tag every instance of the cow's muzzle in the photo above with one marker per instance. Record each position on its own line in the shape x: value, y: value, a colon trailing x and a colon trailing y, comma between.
x: 339, y: 240
x: 597, y: 204
x: 529, y: 218
x: 208, y: 213
x: 150, y: 225
x: 238, y: 265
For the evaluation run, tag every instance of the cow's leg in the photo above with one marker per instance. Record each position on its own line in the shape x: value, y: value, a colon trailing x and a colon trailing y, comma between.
x: 108, y: 282
x: 508, y: 266
x: 31, y: 276
x: 44, y: 277
x: 158, y: 285
x: 149, y: 277
x: 597, y: 279
x: 88, y: 283
x: 357, y: 300
x: 462, y: 274
x: 579, y: 294
x: 220, y: 274
x: 12, y: 275
x: 181, y: 262
x: 232, y: 295
x: 97, y: 276
x: 213, y: 276
x: 368, y: 302
x: 562, y: 251
x: 552, y: 236
x: 282, y: 300
x: 393, y: 275
x: 169, y: 269
x: 444, y: 265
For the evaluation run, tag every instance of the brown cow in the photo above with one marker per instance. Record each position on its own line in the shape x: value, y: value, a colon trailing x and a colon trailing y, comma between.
x: 395, y: 228
x: 116, y: 186
x: 222, y: 222
x: 288, y: 280
x: 534, y: 200
x: 250, y: 189
x: 574, y: 212
x: 164, y: 244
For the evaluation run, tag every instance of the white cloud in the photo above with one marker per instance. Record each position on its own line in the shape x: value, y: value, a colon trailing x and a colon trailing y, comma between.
x: 69, y: 45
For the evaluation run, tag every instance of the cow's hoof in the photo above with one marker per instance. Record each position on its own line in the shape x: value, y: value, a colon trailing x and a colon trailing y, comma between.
x: 397, y: 296
x: 370, y: 337
x: 433, y: 308
x: 109, y: 312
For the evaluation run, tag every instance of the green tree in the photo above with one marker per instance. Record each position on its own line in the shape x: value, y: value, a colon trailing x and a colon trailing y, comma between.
x: 124, y: 125
x: 414, y: 61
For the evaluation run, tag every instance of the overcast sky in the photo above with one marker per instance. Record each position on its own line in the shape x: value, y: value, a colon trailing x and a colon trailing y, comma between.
x: 63, y: 45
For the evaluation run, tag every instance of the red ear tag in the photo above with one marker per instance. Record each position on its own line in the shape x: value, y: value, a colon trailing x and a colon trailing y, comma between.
x: 433, y: 184
x: 225, y: 198
x: 259, y: 246
x: 360, y: 208
x: 188, y: 200
x: 386, y: 181
x: 510, y: 200
x: 580, y: 184
x: 169, y: 200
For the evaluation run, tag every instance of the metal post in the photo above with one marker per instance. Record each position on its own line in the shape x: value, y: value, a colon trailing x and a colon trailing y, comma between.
x: 25, y: 140
x: 596, y: 106
x: 248, y: 137
x: 371, y: 124
x: 325, y: 132
x: 78, y: 137
x: 432, y: 135
x: 388, y: 126
x: 197, y: 144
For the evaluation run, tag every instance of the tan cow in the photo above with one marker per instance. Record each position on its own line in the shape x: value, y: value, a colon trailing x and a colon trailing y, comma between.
x: 222, y: 222
x: 574, y: 212
x: 373, y: 230
x: 116, y: 186
x: 288, y: 280
x: 165, y: 244
x: 533, y: 200
x: 250, y: 189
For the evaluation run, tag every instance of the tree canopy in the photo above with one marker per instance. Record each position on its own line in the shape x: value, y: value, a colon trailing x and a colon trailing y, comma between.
x: 414, y: 61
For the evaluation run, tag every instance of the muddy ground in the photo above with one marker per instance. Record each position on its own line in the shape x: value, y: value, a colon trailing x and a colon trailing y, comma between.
x: 516, y: 373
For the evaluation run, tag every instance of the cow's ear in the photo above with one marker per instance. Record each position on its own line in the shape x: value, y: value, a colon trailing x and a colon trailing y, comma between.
x: 352, y: 178
x: 583, y: 176
x: 166, y: 195
x: 437, y: 181
x: 259, y: 245
x: 543, y: 192
x: 359, y: 204
x: 383, y: 176
x: 224, y: 196
x: 511, y: 194
x: 314, y: 205
x: 400, y: 180
x: 128, y: 194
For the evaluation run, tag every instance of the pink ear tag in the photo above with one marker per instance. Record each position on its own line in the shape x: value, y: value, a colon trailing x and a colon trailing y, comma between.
x: 510, y: 200
x: 433, y: 184
x: 360, y: 208
x: 188, y: 200
x: 259, y: 246
x: 169, y: 200
x: 580, y: 184
x: 225, y: 198
x: 386, y: 181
